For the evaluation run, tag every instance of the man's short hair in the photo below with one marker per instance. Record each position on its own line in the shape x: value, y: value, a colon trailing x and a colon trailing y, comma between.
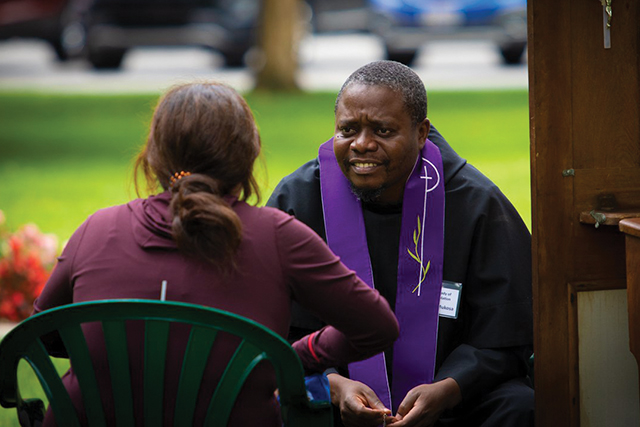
x: 397, y: 77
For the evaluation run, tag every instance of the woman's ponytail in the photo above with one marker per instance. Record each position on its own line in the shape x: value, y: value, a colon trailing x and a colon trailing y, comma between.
x: 204, y: 224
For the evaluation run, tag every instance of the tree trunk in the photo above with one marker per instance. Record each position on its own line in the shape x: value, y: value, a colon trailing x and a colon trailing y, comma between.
x: 279, y: 39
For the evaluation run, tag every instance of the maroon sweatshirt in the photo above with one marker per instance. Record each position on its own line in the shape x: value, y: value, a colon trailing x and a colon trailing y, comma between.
x: 127, y: 252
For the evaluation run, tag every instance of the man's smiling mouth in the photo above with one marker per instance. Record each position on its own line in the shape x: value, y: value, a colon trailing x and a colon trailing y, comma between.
x: 364, y: 165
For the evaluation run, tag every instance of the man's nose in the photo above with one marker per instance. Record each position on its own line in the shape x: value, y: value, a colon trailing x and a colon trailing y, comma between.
x: 363, y: 142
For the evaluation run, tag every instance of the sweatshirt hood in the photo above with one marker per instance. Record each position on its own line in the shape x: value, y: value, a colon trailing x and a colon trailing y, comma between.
x: 151, y: 221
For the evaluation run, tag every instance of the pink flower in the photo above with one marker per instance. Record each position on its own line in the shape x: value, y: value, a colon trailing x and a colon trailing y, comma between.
x: 16, y: 245
x: 30, y: 233
x: 48, y: 248
x: 25, y: 266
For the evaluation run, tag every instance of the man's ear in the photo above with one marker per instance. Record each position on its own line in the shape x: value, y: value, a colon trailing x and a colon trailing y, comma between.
x: 423, y: 131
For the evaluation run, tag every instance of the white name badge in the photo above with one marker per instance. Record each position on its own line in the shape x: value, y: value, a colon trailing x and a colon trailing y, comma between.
x: 450, y: 299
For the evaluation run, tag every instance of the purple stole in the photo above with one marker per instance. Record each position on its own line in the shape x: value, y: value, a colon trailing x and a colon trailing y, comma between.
x: 419, y: 267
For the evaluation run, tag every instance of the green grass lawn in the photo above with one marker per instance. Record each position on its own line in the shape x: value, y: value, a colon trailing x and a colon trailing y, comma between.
x: 62, y: 157
x: 29, y: 387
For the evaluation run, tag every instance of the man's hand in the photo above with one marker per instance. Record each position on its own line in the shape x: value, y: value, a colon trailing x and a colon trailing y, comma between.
x: 424, y: 404
x: 359, y: 405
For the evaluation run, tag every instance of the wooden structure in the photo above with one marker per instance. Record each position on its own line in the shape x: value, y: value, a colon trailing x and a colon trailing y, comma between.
x: 584, y: 78
x: 631, y: 227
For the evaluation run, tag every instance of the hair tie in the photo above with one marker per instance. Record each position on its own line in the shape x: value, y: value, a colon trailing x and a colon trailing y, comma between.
x: 177, y: 176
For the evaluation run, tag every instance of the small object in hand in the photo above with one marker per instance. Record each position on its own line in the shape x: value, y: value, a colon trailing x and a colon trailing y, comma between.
x: 384, y: 420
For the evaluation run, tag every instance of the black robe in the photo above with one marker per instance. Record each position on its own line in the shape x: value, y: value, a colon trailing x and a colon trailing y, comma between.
x: 487, y: 248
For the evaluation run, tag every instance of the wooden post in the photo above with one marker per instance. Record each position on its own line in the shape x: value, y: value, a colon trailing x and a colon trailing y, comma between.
x: 279, y: 38
x: 631, y: 228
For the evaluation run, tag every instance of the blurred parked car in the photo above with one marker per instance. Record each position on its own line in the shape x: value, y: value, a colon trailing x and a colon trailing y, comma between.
x: 114, y: 26
x: 55, y: 21
x: 328, y: 16
x: 104, y: 30
x: 406, y: 25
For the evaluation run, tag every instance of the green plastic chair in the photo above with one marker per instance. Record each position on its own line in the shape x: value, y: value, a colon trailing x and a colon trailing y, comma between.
x: 258, y: 343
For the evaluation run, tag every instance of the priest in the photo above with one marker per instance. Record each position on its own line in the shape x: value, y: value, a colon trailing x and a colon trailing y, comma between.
x: 439, y: 241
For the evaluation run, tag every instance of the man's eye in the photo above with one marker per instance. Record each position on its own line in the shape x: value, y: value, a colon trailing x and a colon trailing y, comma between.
x: 346, y: 130
x: 384, y: 131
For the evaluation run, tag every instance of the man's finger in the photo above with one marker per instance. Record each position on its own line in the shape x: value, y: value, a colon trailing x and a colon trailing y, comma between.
x: 374, y: 402
x: 407, y: 403
x: 365, y: 407
x: 356, y: 412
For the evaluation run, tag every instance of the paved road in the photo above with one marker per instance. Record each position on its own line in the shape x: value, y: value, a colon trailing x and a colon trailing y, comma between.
x: 326, y: 61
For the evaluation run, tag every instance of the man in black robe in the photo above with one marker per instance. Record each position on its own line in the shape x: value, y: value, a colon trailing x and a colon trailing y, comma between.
x: 487, y: 249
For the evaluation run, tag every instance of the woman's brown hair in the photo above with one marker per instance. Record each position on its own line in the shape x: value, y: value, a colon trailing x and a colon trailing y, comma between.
x: 208, y: 130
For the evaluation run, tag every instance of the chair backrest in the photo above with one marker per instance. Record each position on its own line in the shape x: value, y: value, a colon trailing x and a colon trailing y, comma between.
x: 258, y: 343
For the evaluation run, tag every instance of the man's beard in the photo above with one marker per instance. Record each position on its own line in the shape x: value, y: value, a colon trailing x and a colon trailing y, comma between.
x: 367, y: 195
